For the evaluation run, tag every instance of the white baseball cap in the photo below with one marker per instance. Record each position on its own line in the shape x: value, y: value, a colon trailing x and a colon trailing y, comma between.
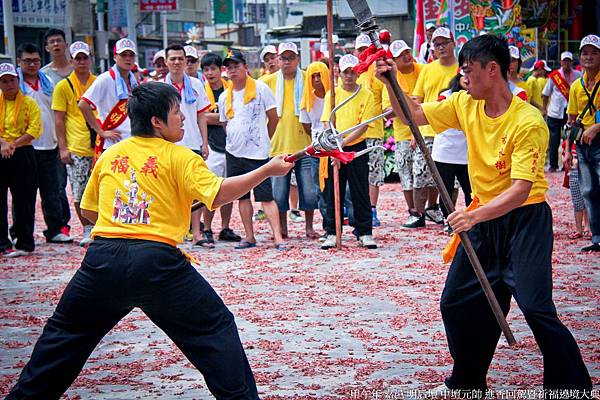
x: 594, y: 40
x: 124, y: 45
x: 348, y: 61
x: 442, y: 32
x: 397, y: 47
x: 191, y: 51
x: 514, y: 52
x: 159, y: 54
x: 7, y: 69
x: 362, y: 41
x: 270, y: 49
x: 79, y: 47
x: 429, y: 26
x: 287, y: 46
x: 566, y: 55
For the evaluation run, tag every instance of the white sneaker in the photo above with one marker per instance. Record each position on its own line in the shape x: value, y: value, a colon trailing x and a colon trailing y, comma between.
x: 87, y: 235
x: 60, y: 238
x: 367, y: 241
x: 329, y: 242
x: 13, y: 253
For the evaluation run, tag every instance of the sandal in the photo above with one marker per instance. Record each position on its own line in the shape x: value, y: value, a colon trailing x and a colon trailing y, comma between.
x: 245, y: 245
x: 204, y: 243
x: 313, y: 235
x: 281, y: 246
x: 575, y: 235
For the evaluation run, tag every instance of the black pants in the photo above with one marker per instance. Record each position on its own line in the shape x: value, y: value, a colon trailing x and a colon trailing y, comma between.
x: 449, y: 172
x: 515, y: 251
x: 555, y: 126
x: 49, y: 186
x: 62, y: 193
x: 356, y: 174
x: 115, y: 276
x: 19, y: 174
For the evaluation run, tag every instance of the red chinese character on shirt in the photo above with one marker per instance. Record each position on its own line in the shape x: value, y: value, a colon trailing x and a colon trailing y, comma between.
x: 120, y: 164
x: 503, y: 139
x: 500, y: 164
x: 151, y: 166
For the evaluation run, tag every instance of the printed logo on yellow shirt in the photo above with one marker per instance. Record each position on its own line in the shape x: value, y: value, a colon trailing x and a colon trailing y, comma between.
x: 534, y: 159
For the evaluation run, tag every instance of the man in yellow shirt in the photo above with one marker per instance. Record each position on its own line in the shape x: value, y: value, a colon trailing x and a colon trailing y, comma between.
x: 287, y: 85
x: 20, y: 123
x: 270, y: 61
x: 75, y: 142
x: 408, y: 73
x: 433, y: 79
x: 536, y: 82
x: 356, y: 172
x: 511, y: 230
x: 140, y: 194
x: 588, y: 148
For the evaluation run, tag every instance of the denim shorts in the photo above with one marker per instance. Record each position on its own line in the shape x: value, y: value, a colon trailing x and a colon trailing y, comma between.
x: 307, y: 189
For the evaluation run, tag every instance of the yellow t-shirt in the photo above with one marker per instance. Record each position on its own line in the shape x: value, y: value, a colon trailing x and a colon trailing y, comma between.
x: 77, y: 133
x: 511, y: 146
x: 290, y: 136
x: 368, y: 80
x: 359, y: 109
x: 534, y: 88
x: 143, y: 188
x: 578, y: 100
x: 264, y: 77
x: 29, y: 120
x: 433, y: 79
x: 407, y: 83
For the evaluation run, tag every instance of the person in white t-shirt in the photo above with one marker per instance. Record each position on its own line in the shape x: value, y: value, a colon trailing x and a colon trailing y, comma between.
x: 450, y: 155
x: 194, y: 104
x: 108, y: 96
x: 36, y: 84
x: 250, y: 112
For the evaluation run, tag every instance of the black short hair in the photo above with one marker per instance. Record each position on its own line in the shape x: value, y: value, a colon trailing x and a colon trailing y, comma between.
x: 211, y: 59
x: 173, y: 47
x: 486, y: 48
x: 454, y: 85
x: 53, y: 32
x: 153, y: 99
x: 27, y: 48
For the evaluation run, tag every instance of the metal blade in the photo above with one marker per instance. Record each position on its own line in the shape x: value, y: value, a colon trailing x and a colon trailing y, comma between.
x: 361, y: 10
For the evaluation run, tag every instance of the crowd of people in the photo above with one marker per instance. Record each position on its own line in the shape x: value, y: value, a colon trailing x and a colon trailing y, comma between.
x: 139, y: 151
x: 82, y: 114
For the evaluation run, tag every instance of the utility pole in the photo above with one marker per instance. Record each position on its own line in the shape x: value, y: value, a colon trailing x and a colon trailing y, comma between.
x: 131, y: 22
x: 9, y: 30
x: 165, y: 31
x: 100, y: 11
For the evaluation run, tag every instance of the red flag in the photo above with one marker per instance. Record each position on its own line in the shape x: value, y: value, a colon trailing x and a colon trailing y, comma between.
x: 419, y: 37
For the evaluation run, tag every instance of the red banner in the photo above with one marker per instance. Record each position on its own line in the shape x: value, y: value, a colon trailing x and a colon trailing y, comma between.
x: 158, y: 5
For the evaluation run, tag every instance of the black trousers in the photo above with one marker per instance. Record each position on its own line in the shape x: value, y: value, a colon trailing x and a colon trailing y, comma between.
x: 515, y: 251
x: 19, y: 175
x: 50, y: 188
x: 356, y: 174
x: 449, y: 172
x: 115, y: 276
x: 62, y: 193
x: 555, y: 126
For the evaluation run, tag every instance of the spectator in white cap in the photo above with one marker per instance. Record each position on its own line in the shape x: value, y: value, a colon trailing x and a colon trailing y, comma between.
x: 408, y: 72
x: 517, y: 86
x: 361, y: 42
x: 434, y: 78
x: 287, y: 85
x: 37, y: 85
x: 536, y: 83
x: 108, y: 96
x: 270, y: 61
x: 192, y: 63
x: 583, y: 91
x: 356, y: 172
x: 160, y: 64
x: 426, y: 53
x: 75, y: 141
x: 555, y: 97
x: 20, y: 123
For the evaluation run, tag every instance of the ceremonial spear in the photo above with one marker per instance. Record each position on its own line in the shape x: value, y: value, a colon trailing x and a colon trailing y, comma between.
x: 367, y: 24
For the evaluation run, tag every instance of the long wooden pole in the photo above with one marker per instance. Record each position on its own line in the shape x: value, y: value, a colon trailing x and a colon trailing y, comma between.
x: 336, y: 168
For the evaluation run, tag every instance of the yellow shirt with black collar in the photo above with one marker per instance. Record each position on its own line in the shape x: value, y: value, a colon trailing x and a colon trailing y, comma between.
x: 29, y: 120
x: 511, y: 146
x: 143, y: 188
x: 578, y: 99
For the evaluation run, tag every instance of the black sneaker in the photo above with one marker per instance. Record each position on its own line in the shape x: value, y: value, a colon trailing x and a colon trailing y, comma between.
x: 228, y: 235
x: 208, y: 236
x: 415, y: 220
x: 434, y: 214
x: 591, y: 247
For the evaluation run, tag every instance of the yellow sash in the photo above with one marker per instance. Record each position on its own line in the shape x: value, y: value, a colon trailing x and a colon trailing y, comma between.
x: 249, y: 95
x: 450, y: 249
x: 211, y: 95
x: 19, y: 100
